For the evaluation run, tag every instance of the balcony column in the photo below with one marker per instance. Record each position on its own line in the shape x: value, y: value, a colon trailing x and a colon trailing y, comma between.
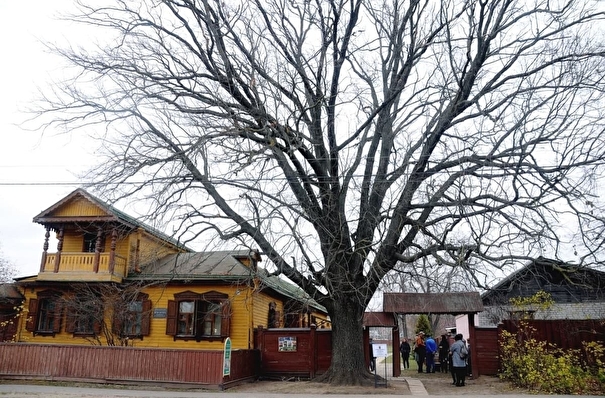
x: 45, y: 249
x: 112, y: 251
x: 59, y: 249
x: 97, y: 260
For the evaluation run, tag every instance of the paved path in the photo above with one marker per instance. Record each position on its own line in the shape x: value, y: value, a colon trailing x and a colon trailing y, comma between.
x: 416, y: 387
x: 385, y: 370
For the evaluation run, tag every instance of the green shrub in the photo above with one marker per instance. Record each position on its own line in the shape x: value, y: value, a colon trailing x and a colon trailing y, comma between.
x: 542, y: 367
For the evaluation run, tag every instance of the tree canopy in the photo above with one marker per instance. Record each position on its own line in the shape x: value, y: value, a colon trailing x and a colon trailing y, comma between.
x: 343, y: 138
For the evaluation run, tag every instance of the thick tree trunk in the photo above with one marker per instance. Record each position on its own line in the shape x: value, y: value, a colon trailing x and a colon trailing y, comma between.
x: 348, y: 365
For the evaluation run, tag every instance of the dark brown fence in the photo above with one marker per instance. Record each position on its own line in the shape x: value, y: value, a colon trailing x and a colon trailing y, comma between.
x: 566, y: 334
x: 294, y: 352
x: 487, y: 350
x: 125, y: 364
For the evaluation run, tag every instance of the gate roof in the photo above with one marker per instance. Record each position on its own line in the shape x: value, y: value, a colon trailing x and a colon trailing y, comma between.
x: 379, y: 319
x: 432, y: 303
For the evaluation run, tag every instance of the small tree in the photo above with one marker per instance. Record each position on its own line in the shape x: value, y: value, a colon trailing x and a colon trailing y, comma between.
x: 10, y: 311
x: 524, y: 307
x: 423, y: 325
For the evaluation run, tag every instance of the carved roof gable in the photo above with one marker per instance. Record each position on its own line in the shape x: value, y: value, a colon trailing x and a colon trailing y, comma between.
x: 81, y: 206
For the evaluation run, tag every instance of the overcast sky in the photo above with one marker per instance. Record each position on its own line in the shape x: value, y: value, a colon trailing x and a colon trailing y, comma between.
x: 35, y: 170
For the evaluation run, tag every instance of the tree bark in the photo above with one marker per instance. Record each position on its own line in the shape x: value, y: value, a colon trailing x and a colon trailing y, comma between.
x: 348, y: 366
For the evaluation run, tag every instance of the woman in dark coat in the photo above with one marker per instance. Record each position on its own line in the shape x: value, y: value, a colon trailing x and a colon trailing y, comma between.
x: 444, y: 350
x: 405, y: 350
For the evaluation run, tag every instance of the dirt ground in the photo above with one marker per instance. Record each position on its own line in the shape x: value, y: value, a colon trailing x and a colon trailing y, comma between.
x: 434, y: 383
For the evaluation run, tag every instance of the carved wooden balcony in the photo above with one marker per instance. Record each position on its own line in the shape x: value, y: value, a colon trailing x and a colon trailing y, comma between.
x: 85, y: 267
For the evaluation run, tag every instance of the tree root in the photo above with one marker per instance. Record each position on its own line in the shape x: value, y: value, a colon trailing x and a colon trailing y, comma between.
x: 345, y: 378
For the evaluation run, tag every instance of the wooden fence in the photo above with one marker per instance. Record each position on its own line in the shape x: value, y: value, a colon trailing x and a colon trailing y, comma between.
x: 126, y: 364
x: 565, y: 334
x: 297, y: 352
x: 487, y: 350
x: 294, y: 352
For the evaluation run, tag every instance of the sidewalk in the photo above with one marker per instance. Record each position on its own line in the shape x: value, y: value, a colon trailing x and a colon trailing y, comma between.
x: 385, y: 370
x: 38, y: 391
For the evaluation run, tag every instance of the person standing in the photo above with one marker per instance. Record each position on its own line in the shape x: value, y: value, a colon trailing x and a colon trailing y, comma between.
x: 372, y: 357
x: 444, y: 350
x: 405, y: 349
x: 459, y: 354
x: 420, y: 350
x: 449, y: 360
x: 431, y: 349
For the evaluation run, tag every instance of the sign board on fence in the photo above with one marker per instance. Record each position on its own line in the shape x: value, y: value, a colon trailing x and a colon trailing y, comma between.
x: 227, y: 357
x: 379, y: 350
x: 287, y: 344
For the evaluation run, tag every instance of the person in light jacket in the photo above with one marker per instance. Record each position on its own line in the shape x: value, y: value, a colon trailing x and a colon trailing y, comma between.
x: 459, y: 355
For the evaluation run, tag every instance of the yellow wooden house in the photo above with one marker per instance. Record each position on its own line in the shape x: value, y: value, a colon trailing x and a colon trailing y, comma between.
x: 116, y: 281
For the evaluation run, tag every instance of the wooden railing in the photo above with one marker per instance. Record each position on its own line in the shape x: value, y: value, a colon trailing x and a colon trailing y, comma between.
x: 85, y: 262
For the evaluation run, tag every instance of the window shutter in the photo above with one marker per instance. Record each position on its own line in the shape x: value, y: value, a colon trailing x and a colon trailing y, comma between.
x: 70, y: 324
x: 226, y: 318
x: 58, y: 317
x: 171, y: 318
x: 97, y: 326
x: 146, y: 318
x: 116, y: 321
x: 32, y: 315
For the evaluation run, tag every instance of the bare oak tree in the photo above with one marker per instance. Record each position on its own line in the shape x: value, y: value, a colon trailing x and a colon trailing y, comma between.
x: 344, y: 137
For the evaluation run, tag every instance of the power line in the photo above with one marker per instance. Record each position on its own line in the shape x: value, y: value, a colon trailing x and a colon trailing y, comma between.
x: 40, y: 184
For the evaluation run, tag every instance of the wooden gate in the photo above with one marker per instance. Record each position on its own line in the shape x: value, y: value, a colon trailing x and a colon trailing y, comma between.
x: 294, y: 352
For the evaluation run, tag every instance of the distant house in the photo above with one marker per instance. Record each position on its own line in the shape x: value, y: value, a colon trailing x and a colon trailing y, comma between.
x: 116, y: 281
x: 578, y: 293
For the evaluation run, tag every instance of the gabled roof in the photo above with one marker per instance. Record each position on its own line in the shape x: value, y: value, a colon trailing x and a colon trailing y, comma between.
x: 226, y: 266
x: 553, y: 276
x: 432, y: 303
x: 107, y: 213
x: 222, y: 265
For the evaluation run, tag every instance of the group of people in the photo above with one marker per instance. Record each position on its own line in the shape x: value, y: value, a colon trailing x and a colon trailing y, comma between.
x: 454, y: 356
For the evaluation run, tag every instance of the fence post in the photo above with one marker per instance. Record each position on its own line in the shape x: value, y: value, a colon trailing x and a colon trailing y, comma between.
x: 260, y: 341
x: 312, y: 351
x: 396, y: 354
